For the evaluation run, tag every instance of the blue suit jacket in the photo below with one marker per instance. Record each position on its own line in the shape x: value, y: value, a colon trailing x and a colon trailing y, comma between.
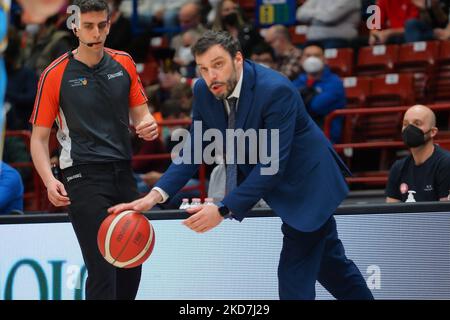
x: 309, y: 185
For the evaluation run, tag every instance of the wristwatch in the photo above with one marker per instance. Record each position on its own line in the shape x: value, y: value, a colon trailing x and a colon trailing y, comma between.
x: 223, y: 210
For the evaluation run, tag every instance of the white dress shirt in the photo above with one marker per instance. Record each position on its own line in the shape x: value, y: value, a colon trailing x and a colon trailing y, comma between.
x: 235, y: 94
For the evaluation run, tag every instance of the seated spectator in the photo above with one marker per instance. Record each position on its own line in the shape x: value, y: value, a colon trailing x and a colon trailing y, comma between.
x: 394, y: 15
x: 229, y: 18
x: 37, y: 11
x: 190, y: 19
x: 182, y: 93
x: 431, y: 23
x: 333, y: 23
x: 47, y: 44
x: 15, y: 150
x: 21, y: 87
x: 155, y: 13
x: 11, y: 189
x: 120, y: 34
x: 425, y: 174
x: 263, y: 54
x: 322, y: 90
x: 442, y: 34
x: 287, y: 55
x: 183, y: 56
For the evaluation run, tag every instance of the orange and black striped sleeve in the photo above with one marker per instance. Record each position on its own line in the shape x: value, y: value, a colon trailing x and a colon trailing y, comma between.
x: 137, y: 94
x: 46, y: 105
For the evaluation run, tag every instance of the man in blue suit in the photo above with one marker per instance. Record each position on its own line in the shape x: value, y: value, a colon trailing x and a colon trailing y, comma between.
x: 305, y: 190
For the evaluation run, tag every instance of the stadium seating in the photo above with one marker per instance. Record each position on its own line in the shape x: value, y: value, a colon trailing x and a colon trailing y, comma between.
x: 356, y: 90
x: 377, y: 59
x: 440, y: 88
x: 340, y: 61
x: 420, y: 59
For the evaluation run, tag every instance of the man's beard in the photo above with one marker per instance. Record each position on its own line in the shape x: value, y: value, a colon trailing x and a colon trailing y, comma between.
x: 230, y: 85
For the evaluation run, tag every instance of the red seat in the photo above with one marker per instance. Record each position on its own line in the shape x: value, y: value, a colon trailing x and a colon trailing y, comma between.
x: 441, y: 84
x: 340, y: 61
x: 419, y: 58
x: 378, y: 59
x: 148, y: 71
x: 395, y: 89
x: 386, y: 91
x: 356, y: 90
x: 298, y: 34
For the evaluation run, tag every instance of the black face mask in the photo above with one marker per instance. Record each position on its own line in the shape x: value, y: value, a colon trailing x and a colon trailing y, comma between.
x: 230, y: 19
x: 414, y: 137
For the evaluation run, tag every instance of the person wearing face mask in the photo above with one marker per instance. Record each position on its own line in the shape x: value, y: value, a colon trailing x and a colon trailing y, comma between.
x: 229, y: 18
x: 322, y: 91
x: 183, y: 56
x: 190, y: 19
x: 425, y: 174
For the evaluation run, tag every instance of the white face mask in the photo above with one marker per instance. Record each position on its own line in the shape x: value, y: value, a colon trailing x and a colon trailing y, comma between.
x: 312, y: 65
x: 185, y: 54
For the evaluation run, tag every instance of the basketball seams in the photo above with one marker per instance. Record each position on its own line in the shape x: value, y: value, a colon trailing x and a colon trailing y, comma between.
x: 127, y: 241
x: 142, y: 253
x: 109, y: 233
x: 145, y: 251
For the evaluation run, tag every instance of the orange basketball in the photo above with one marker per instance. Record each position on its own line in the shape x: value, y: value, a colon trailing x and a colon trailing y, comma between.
x: 126, y: 239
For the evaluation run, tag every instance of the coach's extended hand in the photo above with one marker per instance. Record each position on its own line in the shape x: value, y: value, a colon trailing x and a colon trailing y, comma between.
x: 142, y: 204
x: 204, y: 218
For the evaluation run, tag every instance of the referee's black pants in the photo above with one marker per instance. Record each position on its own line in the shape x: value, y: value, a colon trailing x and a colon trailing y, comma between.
x: 92, y: 189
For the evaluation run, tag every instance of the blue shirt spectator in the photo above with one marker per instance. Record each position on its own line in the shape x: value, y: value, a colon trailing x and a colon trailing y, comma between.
x: 11, y: 189
x: 322, y: 90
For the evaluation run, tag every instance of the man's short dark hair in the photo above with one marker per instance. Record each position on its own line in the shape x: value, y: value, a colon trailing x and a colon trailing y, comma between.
x: 314, y: 44
x: 211, y: 38
x: 262, y: 48
x: 92, y: 5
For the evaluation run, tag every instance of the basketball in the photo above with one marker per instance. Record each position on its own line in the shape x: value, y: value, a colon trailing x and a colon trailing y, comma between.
x: 126, y: 239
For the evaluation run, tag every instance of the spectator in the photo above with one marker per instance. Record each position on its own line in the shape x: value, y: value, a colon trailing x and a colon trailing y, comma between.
x: 442, y: 34
x: 21, y: 87
x: 47, y: 44
x: 15, y: 150
x: 120, y: 34
x: 333, y: 23
x: 37, y: 11
x: 183, y: 56
x: 394, y: 15
x: 425, y: 174
x: 263, y: 54
x: 182, y: 93
x: 287, y: 56
x: 190, y: 19
x: 322, y: 90
x: 229, y: 18
x: 11, y: 189
x: 432, y: 21
x: 155, y: 12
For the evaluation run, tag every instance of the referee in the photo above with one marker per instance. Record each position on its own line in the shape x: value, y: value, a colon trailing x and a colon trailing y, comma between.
x: 91, y: 92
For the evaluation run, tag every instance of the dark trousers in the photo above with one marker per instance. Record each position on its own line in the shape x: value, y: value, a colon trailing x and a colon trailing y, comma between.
x: 92, y: 189
x: 307, y: 257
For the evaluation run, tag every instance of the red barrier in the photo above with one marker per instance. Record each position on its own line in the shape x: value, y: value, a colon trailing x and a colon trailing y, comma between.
x: 35, y: 196
x: 379, y: 177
